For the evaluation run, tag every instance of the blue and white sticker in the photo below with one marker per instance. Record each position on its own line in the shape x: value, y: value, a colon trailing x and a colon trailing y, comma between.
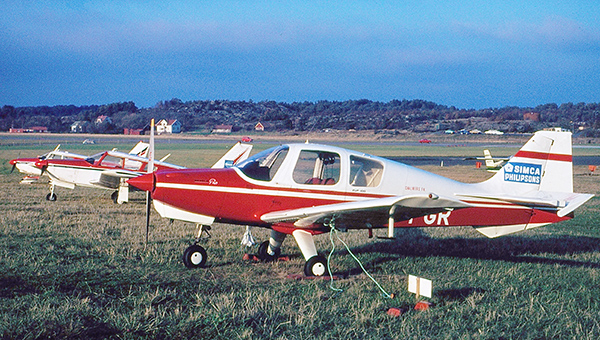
x: 523, y: 173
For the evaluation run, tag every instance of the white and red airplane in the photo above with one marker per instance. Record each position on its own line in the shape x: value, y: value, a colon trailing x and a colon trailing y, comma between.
x: 32, y: 173
x: 110, y: 169
x: 307, y: 189
x: 35, y: 167
x: 492, y: 164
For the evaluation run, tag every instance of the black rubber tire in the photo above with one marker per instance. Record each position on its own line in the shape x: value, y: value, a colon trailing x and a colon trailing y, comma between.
x: 51, y: 197
x: 316, y: 266
x: 114, y: 196
x: 194, y: 256
x: 264, y: 256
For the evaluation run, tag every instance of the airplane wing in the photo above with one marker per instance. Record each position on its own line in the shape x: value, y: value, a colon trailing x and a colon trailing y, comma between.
x: 374, y: 211
x: 112, y: 178
x: 123, y: 155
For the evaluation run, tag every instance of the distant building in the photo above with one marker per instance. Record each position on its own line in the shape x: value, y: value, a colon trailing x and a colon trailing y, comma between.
x: 168, y: 126
x: 134, y: 132
x: 39, y: 129
x: 36, y: 129
x: 259, y: 127
x: 102, y: 119
x: 222, y: 129
x: 78, y: 126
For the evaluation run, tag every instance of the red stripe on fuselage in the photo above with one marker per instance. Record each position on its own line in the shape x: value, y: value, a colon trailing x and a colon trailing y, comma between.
x: 544, y: 156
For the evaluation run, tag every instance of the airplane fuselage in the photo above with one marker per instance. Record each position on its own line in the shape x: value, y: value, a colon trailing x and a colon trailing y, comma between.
x: 242, y: 196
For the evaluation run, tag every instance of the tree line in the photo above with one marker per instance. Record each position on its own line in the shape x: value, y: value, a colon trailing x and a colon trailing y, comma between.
x: 363, y: 114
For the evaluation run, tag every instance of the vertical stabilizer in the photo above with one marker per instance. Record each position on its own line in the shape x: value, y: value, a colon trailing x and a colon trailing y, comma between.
x: 238, y: 153
x: 140, y: 149
x: 544, y: 163
x: 489, y: 161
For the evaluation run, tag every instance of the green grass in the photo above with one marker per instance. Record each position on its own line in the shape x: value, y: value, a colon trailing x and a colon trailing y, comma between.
x: 77, y: 268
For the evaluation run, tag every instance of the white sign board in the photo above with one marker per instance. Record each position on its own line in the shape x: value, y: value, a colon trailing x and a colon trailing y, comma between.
x: 420, y: 286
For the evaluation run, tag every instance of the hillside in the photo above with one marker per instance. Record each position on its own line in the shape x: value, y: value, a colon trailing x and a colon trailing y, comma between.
x: 391, y: 117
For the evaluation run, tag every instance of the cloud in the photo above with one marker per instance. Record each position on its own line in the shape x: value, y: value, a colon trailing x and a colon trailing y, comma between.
x: 551, y: 32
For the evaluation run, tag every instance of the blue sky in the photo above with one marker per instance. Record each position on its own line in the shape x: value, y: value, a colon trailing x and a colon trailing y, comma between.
x: 469, y: 54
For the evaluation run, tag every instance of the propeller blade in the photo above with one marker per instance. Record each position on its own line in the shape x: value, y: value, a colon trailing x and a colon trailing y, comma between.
x: 149, y: 170
x: 148, y: 208
x: 13, y: 167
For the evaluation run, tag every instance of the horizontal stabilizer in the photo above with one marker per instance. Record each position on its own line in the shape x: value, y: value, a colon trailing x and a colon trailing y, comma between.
x: 520, y: 200
x: 574, y: 203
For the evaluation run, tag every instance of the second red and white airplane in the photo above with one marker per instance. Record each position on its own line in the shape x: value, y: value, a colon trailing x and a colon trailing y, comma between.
x: 307, y: 189
x: 106, y: 170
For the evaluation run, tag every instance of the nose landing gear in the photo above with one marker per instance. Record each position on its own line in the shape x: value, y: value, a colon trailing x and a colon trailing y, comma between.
x: 195, y: 255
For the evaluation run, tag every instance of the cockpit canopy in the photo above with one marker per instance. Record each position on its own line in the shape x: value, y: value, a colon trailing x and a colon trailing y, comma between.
x: 315, y: 165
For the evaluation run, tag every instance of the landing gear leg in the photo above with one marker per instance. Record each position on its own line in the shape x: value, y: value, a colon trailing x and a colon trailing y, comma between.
x: 271, y: 249
x: 316, y: 265
x: 195, y: 255
x: 122, y: 194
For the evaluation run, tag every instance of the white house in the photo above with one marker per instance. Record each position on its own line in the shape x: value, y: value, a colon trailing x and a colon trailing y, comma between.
x: 168, y: 126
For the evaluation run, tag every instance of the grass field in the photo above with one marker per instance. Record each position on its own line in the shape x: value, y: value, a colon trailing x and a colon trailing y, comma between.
x: 77, y: 268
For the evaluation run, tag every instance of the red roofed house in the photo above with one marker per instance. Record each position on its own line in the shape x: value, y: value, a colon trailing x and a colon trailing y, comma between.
x: 102, y: 119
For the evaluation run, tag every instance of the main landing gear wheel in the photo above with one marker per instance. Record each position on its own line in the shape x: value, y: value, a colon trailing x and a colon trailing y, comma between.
x: 114, y: 196
x: 51, y: 197
x: 264, y: 255
x: 316, y: 266
x: 194, y: 256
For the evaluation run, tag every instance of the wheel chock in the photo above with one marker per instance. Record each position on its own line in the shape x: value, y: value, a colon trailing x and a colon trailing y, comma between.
x: 254, y: 258
x: 423, y: 305
x: 395, y: 311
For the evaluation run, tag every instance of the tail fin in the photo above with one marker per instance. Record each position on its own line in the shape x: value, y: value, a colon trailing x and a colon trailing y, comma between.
x: 544, y: 163
x: 489, y: 161
x: 239, y: 152
x: 140, y: 149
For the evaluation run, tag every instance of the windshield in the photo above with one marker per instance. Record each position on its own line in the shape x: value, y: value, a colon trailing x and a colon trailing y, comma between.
x: 265, y: 164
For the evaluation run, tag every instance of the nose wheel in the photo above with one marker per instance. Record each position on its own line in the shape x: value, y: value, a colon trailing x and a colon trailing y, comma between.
x: 51, y: 196
x: 194, y: 256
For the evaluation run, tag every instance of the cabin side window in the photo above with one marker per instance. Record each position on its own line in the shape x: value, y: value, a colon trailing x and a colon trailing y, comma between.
x: 365, y: 172
x: 317, y: 168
